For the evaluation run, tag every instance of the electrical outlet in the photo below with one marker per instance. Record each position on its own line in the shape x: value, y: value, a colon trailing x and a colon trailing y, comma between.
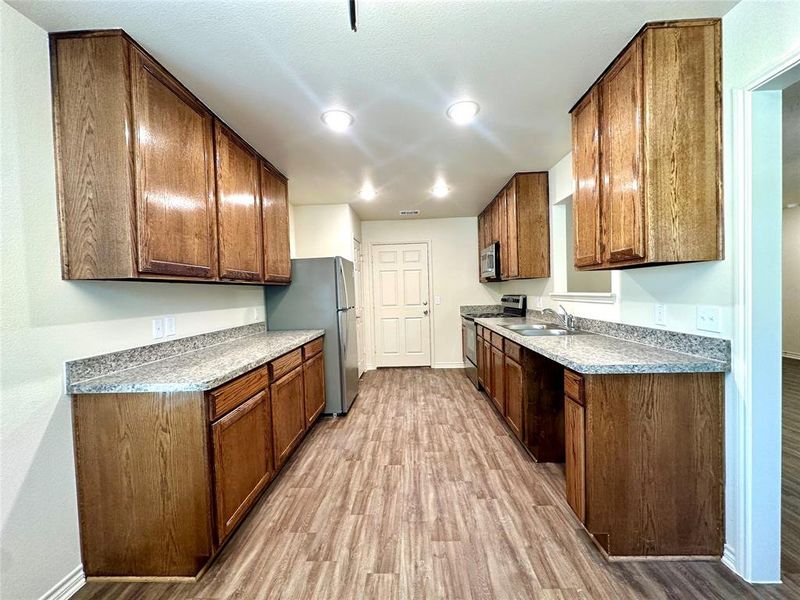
x: 158, y: 328
x: 539, y: 304
x: 169, y: 325
x: 708, y: 318
x: 660, y: 316
x: 437, y: 299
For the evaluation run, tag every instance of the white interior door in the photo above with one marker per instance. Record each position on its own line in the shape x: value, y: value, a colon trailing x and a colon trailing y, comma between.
x: 400, y: 297
x: 357, y: 269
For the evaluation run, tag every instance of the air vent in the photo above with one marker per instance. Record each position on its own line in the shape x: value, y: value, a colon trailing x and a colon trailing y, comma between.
x: 409, y: 213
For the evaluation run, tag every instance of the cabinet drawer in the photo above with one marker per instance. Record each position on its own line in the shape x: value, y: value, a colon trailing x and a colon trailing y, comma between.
x: 280, y: 366
x: 513, y: 351
x: 573, y: 386
x: 496, y: 340
x: 224, y: 399
x: 479, y: 330
x: 311, y: 348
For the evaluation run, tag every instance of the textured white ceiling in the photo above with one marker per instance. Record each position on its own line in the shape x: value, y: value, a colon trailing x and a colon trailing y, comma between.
x: 270, y: 68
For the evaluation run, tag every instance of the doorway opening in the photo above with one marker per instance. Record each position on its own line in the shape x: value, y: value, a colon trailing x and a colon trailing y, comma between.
x: 790, y: 272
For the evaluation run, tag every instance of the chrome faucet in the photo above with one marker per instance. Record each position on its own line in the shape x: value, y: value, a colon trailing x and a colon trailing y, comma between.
x: 566, y: 319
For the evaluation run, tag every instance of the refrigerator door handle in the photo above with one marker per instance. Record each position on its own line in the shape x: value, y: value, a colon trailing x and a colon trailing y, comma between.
x: 343, y: 283
x: 343, y: 331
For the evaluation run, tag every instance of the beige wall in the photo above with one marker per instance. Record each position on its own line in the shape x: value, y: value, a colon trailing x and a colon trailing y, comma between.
x: 324, y: 230
x: 791, y: 282
x: 454, y: 274
x: 45, y: 321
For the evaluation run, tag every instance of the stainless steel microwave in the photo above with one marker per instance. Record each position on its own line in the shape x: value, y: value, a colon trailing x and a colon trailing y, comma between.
x: 490, y: 261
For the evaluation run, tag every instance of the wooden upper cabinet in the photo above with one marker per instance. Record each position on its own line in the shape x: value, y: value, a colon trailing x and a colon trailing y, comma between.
x: 620, y: 151
x: 241, y: 246
x: 519, y: 218
x: 174, y: 174
x: 652, y: 123
x: 512, y: 233
x: 586, y: 169
x: 502, y: 212
x: 141, y: 192
x: 275, y: 206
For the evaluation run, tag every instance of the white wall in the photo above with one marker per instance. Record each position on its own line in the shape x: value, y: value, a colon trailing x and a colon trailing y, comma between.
x: 324, y: 230
x: 45, y: 321
x: 791, y: 282
x: 454, y: 271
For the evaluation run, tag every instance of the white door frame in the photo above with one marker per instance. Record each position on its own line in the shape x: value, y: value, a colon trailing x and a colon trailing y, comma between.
x: 754, y: 428
x: 431, y: 312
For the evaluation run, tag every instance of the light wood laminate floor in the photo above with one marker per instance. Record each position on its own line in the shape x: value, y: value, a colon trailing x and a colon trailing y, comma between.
x: 420, y: 492
x: 790, y: 517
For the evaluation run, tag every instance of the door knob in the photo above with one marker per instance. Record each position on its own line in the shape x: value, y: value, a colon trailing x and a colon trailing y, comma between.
x: 425, y: 312
x: 424, y: 303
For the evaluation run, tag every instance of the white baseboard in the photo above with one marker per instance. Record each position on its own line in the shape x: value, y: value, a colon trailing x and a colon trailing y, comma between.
x: 793, y: 355
x: 729, y: 558
x: 448, y: 365
x: 68, y: 586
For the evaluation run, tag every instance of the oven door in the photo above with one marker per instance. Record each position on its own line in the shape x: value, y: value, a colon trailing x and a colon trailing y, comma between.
x: 470, y: 350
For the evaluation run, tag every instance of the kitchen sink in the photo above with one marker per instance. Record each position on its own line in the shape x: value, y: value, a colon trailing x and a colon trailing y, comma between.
x: 540, y: 330
x: 523, y: 326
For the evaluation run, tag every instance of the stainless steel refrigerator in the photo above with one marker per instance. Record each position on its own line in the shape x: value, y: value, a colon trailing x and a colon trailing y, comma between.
x: 322, y: 296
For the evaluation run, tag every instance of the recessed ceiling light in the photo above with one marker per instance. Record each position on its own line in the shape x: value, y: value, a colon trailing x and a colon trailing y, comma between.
x: 792, y: 205
x: 463, y: 112
x: 367, y: 192
x: 336, y: 119
x: 440, y: 189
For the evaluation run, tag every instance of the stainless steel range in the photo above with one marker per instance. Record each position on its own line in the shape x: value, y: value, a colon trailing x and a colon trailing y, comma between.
x: 514, y: 305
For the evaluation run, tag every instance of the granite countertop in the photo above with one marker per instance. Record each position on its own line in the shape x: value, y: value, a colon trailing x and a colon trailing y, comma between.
x: 199, y: 370
x: 592, y: 353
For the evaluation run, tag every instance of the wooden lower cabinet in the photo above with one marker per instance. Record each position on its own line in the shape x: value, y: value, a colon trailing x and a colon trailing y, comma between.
x: 164, y: 479
x: 514, y: 380
x: 575, y: 468
x: 498, y: 379
x: 650, y: 483
x: 527, y: 389
x: 288, y: 414
x: 243, y: 461
x: 314, y: 384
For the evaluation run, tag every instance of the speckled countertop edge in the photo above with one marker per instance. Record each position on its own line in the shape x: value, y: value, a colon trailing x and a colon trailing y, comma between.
x: 198, y: 370
x: 596, y: 354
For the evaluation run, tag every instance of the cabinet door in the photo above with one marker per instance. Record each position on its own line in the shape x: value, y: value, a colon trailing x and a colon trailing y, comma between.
x: 586, y: 176
x: 575, y: 468
x: 512, y: 233
x: 275, y: 206
x: 487, y: 367
x: 498, y: 379
x: 495, y: 210
x: 314, y: 384
x: 174, y: 165
x: 242, y: 443
x: 620, y: 151
x: 503, y: 214
x: 479, y: 357
x: 241, y: 249
x: 513, y: 379
x: 288, y: 414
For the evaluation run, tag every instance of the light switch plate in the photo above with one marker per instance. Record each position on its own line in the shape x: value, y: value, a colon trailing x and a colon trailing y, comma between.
x: 708, y: 318
x: 660, y: 314
x: 169, y: 325
x: 158, y: 328
x: 437, y: 299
